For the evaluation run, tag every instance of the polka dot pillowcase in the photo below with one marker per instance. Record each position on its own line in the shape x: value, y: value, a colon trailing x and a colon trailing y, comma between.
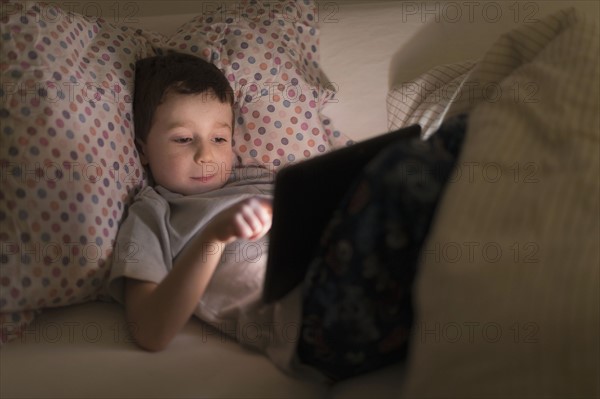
x: 269, y: 53
x: 67, y: 158
x: 68, y: 161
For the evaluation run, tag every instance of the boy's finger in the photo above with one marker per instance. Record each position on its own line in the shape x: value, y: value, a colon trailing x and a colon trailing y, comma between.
x: 243, y: 228
x: 260, y: 209
x: 264, y: 203
x: 267, y: 204
x: 264, y: 214
x: 251, y: 218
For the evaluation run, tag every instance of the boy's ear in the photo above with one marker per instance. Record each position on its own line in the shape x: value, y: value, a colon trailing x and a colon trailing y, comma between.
x: 141, y: 146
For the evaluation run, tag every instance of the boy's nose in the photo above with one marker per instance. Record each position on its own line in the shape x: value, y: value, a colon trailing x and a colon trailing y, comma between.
x: 203, y: 154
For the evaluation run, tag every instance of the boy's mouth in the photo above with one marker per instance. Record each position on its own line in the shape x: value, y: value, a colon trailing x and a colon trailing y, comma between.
x: 204, y: 179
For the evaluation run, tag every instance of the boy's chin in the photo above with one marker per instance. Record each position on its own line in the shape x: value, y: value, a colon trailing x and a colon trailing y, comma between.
x: 196, y: 189
x: 192, y: 185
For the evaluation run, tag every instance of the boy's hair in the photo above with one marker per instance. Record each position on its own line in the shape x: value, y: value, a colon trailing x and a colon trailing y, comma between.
x: 173, y: 72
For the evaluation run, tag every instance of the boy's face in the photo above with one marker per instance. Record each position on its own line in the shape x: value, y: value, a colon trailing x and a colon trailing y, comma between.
x: 189, y: 148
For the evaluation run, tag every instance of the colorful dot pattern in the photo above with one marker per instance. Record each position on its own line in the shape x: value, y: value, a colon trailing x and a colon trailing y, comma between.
x: 69, y: 166
x: 67, y: 156
x: 269, y: 53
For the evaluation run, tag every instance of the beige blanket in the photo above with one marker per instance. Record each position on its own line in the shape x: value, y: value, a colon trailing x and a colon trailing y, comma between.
x: 508, y: 291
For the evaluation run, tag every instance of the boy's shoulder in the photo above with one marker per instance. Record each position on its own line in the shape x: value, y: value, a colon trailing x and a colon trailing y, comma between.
x: 146, y: 208
x: 148, y: 193
x: 148, y: 198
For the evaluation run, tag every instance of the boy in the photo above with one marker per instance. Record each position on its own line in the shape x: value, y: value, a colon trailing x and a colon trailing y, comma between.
x: 352, y: 314
x: 175, y: 233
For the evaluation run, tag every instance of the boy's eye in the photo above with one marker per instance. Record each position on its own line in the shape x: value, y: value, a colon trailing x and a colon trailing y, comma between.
x: 220, y: 140
x: 182, y: 140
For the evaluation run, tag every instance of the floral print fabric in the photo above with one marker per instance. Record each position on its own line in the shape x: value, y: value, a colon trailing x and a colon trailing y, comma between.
x: 357, y: 307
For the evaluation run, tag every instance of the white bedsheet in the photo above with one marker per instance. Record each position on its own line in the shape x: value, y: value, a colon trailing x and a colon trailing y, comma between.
x: 85, y: 351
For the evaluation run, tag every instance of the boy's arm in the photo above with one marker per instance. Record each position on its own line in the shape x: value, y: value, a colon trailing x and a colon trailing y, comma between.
x: 157, y: 312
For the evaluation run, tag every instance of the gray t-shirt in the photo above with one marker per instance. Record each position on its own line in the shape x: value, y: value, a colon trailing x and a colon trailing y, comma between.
x: 160, y: 223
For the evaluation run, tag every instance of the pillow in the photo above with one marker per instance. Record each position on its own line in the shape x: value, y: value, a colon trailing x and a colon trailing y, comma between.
x: 508, y: 289
x: 68, y: 160
x: 431, y: 98
x: 67, y: 156
x: 269, y: 53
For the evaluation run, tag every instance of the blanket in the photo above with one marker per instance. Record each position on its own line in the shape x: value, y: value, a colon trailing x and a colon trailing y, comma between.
x: 507, y: 293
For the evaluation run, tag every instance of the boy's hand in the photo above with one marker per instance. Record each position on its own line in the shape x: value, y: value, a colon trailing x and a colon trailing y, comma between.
x: 249, y: 219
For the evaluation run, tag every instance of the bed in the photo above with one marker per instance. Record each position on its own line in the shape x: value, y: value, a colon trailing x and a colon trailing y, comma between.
x: 507, y: 295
